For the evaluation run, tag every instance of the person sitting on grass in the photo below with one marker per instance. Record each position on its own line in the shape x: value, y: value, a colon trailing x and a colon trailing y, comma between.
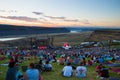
x: 81, y: 71
x: 41, y: 65
x: 76, y: 61
x: 19, y: 75
x: 61, y: 60
x: 98, y: 68
x: 104, y: 73
x: 47, y: 66
x: 84, y: 61
x: 101, y: 60
x: 11, y: 72
x: 90, y: 63
x: 68, y: 59
x: 32, y: 73
x: 67, y: 71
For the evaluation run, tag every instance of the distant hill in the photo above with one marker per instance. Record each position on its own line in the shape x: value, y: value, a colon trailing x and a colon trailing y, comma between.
x: 79, y: 29
x: 12, y: 30
x: 104, y: 35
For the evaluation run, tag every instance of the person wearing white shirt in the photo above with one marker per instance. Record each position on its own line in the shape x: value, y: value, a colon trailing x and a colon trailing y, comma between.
x: 67, y: 70
x: 81, y: 71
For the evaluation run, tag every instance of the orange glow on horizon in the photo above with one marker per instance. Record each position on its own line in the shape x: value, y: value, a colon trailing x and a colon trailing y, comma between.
x: 60, y: 23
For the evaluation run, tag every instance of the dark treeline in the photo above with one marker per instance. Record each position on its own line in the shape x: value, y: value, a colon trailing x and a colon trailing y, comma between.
x: 12, y: 30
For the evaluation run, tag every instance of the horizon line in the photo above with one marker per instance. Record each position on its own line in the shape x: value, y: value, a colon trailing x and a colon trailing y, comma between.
x: 65, y: 26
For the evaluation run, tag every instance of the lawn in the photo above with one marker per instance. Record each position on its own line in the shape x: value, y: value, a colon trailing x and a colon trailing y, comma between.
x: 55, y: 74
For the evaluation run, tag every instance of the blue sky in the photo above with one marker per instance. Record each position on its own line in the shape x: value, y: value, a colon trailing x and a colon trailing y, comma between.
x: 60, y: 12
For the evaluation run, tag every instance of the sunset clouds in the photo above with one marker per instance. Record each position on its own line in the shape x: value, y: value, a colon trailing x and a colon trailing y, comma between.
x: 46, y: 19
x: 60, y: 12
x: 37, y: 13
x: 21, y: 18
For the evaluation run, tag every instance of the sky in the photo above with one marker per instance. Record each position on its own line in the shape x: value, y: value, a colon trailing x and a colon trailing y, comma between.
x: 56, y: 13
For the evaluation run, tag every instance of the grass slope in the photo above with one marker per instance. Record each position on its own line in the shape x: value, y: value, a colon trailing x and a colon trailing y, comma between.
x: 55, y: 74
x: 71, y: 38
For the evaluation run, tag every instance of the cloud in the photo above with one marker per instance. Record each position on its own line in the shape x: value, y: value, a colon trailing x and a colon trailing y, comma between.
x: 37, y: 13
x: 43, y: 19
x: 85, y: 21
x: 51, y: 17
x: 9, y: 11
x: 71, y: 20
x: 22, y: 18
x: 12, y: 11
x: 2, y: 10
x: 55, y: 17
x: 47, y: 22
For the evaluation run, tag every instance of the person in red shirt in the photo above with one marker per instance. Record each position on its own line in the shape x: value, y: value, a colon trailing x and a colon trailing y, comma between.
x: 89, y: 63
x: 84, y: 61
x: 12, y: 59
x: 61, y: 60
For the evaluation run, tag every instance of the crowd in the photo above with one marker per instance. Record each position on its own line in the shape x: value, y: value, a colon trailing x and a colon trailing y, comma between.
x: 77, y: 59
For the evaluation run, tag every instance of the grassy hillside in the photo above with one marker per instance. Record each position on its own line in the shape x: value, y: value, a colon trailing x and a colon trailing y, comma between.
x: 71, y: 38
x: 103, y: 35
x: 55, y: 74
